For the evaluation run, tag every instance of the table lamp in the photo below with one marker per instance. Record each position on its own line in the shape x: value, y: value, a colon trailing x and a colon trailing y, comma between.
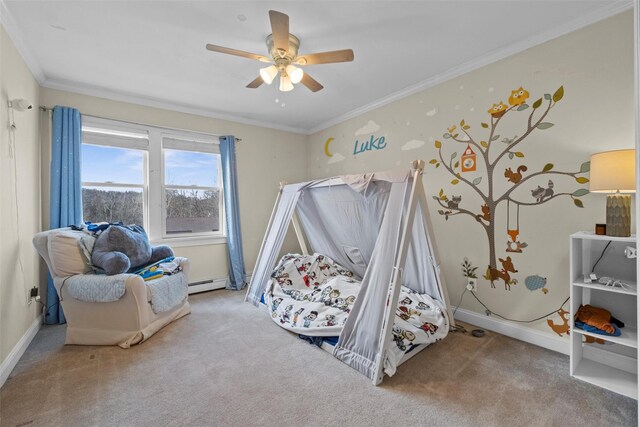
x: 614, y: 172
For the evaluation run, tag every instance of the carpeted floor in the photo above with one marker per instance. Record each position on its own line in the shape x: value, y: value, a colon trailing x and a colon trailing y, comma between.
x: 228, y: 364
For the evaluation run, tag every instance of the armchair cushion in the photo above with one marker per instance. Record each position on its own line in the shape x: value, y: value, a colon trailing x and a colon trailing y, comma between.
x: 97, y: 287
x: 64, y: 253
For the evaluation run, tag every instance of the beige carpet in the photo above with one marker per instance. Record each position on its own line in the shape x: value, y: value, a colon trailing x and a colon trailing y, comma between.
x: 228, y: 364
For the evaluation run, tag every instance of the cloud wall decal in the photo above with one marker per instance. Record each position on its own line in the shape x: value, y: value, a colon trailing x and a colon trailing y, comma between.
x: 412, y: 145
x: 369, y: 128
x: 337, y: 157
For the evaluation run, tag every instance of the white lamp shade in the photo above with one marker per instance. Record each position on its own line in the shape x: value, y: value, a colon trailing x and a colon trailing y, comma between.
x: 294, y: 73
x: 268, y: 73
x: 285, y: 84
x: 613, y: 171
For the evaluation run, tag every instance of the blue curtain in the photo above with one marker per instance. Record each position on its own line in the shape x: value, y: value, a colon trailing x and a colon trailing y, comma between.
x: 66, y: 188
x: 232, y: 213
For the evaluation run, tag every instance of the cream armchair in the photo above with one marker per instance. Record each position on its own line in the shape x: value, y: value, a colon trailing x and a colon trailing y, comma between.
x: 125, y: 322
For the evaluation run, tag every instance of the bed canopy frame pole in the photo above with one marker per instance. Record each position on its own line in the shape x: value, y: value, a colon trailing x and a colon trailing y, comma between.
x: 299, y: 234
x: 417, y: 167
x: 264, y: 239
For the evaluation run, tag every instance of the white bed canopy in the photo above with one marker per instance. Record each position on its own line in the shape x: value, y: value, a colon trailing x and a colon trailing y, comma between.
x: 376, y: 225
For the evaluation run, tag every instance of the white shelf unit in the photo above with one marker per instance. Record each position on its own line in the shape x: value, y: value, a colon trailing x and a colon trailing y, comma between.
x: 612, y: 365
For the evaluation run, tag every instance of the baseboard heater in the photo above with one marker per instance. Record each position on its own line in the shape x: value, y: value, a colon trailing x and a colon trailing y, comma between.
x: 206, y: 285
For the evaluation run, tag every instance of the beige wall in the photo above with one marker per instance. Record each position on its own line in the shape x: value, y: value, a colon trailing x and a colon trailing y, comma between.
x: 17, y: 226
x: 596, y: 114
x: 264, y: 157
x: 594, y: 66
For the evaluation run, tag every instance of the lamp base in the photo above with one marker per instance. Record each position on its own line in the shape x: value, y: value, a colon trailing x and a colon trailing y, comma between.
x: 619, y: 215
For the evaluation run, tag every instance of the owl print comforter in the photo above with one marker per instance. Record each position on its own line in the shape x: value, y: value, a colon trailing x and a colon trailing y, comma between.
x: 313, y: 295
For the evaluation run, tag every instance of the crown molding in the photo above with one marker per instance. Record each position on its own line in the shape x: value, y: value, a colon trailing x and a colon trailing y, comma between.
x: 603, y: 13
x: 13, y: 30
x: 100, y: 92
x: 15, y: 34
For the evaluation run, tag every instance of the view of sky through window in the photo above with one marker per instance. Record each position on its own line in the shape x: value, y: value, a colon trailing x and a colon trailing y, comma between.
x: 190, y: 168
x: 121, y: 165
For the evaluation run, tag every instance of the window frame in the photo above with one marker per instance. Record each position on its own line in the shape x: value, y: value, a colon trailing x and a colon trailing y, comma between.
x: 194, y: 143
x: 123, y: 142
x: 153, y: 187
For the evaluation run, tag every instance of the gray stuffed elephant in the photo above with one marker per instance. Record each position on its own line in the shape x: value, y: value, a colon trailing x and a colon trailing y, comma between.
x: 120, y: 249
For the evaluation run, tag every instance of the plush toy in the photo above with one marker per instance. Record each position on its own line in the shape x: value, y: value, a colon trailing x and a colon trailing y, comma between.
x: 120, y: 249
x: 596, y: 317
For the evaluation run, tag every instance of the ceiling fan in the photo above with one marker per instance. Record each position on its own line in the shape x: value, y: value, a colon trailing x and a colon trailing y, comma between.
x: 283, y: 48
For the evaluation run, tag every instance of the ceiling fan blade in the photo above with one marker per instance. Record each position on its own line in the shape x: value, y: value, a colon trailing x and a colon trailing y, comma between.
x: 236, y: 52
x: 280, y: 29
x: 311, y: 83
x: 345, y: 55
x: 255, y: 83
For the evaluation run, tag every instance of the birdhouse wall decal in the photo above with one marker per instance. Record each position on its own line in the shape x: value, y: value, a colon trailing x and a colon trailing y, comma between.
x: 468, y: 160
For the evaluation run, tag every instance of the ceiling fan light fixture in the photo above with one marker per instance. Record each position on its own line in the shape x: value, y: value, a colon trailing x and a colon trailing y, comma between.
x: 283, y: 57
x: 268, y: 73
x: 294, y: 73
x: 285, y: 83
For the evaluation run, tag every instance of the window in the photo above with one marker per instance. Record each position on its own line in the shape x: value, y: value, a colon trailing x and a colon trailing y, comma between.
x: 114, y: 171
x: 168, y: 181
x: 192, y: 190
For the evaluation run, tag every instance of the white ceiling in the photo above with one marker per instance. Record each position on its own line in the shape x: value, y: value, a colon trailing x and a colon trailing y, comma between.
x: 154, y: 52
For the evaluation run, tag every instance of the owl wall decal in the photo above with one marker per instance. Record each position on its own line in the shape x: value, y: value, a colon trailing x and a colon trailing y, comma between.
x: 498, y: 110
x: 518, y: 96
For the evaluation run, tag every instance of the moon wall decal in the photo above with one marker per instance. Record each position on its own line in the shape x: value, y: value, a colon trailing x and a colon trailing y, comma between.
x: 326, y: 147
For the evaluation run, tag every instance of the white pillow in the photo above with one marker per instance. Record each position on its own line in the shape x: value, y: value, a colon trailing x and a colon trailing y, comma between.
x: 85, y: 244
x: 64, y: 253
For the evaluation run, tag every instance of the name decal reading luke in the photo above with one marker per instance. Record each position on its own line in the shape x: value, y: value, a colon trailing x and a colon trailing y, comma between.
x: 371, y: 144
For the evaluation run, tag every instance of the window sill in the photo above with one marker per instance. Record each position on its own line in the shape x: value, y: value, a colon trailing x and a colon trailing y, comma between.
x: 190, y: 241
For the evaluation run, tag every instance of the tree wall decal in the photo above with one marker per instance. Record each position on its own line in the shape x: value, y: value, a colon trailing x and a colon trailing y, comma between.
x: 490, y: 157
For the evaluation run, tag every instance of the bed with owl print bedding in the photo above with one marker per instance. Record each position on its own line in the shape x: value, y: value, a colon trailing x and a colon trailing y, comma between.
x: 313, y: 295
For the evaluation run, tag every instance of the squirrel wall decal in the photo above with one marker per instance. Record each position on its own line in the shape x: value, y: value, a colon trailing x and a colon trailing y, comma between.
x: 516, y: 176
x: 486, y: 213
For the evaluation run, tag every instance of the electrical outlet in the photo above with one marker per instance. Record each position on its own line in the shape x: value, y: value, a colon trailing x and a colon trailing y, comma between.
x: 33, y: 295
x: 630, y: 252
x: 472, y: 284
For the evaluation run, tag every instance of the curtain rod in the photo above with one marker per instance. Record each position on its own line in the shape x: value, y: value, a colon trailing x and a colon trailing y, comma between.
x: 139, y: 124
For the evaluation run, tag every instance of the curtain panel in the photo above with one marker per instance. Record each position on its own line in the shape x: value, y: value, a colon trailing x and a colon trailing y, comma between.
x: 65, y: 206
x: 237, y: 274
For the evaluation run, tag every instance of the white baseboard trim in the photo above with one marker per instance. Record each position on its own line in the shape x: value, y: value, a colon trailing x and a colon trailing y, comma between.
x: 18, y: 350
x: 213, y: 284
x: 516, y: 331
